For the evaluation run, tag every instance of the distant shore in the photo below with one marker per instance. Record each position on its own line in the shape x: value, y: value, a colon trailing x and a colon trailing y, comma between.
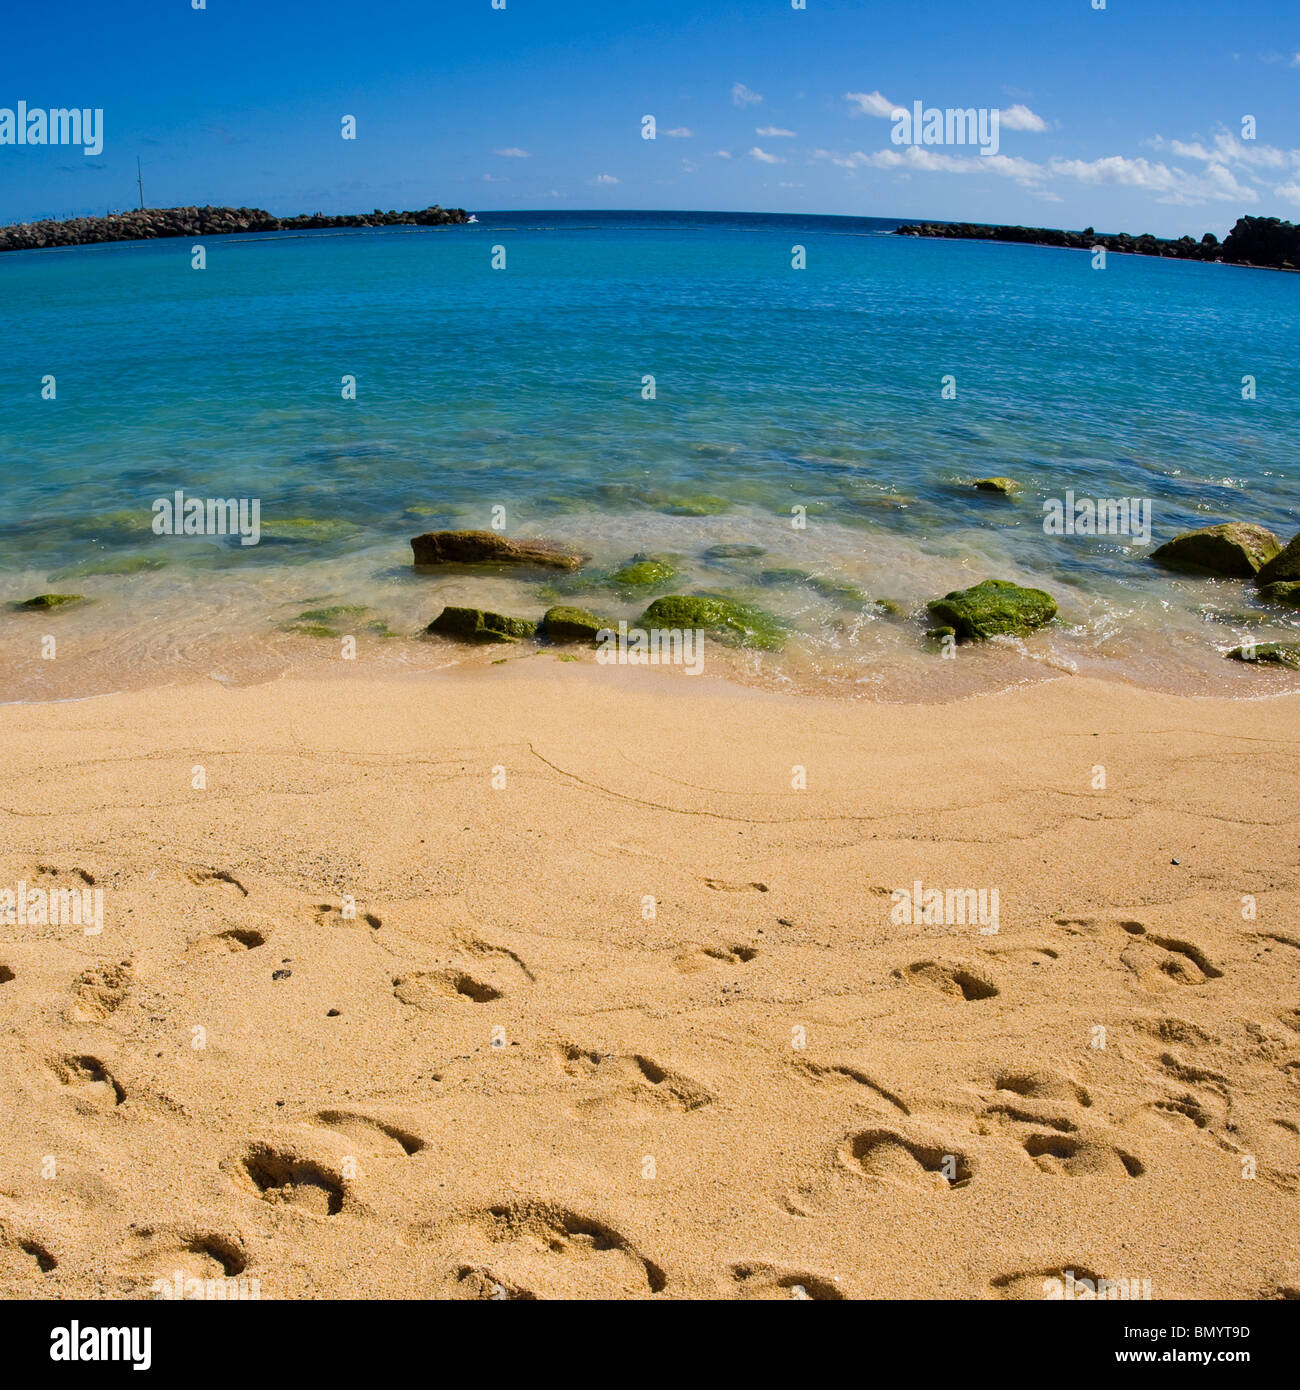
x: 149, y: 224
x: 1262, y: 243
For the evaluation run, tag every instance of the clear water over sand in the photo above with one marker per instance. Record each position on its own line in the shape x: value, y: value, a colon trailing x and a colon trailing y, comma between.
x: 522, y: 388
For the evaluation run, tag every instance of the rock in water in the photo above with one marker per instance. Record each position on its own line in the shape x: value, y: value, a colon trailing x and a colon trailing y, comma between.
x: 44, y: 602
x: 489, y: 548
x: 1275, y: 653
x: 1007, y: 487
x: 479, y: 625
x: 562, y: 624
x: 1285, y: 592
x: 1236, y: 550
x: 994, y: 608
x: 734, y: 622
x: 1282, y: 568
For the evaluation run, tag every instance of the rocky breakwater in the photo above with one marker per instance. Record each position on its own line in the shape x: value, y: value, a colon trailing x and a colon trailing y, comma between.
x: 149, y: 224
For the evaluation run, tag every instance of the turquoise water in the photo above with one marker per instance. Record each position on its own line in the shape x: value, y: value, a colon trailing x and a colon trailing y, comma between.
x: 522, y: 388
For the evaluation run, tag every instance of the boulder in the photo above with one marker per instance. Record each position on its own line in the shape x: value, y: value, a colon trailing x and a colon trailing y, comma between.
x: 994, y: 608
x: 1286, y: 592
x: 1283, y: 567
x: 1007, y: 487
x: 645, y: 572
x: 734, y: 552
x: 1274, y: 653
x: 479, y: 625
x: 489, y: 548
x: 1235, y: 550
x: 563, y: 624
x: 733, y: 622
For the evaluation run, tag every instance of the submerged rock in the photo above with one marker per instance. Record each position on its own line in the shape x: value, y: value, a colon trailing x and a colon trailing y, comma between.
x: 480, y: 625
x: 701, y: 505
x: 1283, y: 567
x: 735, y: 552
x: 489, y: 548
x: 44, y: 602
x: 564, y: 624
x: 1007, y: 487
x: 785, y: 576
x: 1236, y: 550
x: 735, y: 622
x: 1285, y: 592
x: 645, y: 572
x: 994, y: 608
x: 1275, y: 653
x: 336, y: 621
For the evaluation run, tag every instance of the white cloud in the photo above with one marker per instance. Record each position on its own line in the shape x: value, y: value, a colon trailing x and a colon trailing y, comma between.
x: 1289, y: 191
x: 604, y: 178
x: 871, y: 104
x: 1226, y: 148
x: 513, y: 152
x: 1295, y: 62
x: 492, y: 178
x: 790, y: 185
x: 764, y: 158
x: 681, y: 132
x: 1020, y: 117
x: 722, y: 154
x: 928, y: 161
x: 554, y: 193
x: 774, y: 132
x: 742, y: 96
x: 1216, y: 184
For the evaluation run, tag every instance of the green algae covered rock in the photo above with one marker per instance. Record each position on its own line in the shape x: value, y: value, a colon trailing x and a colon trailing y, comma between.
x: 700, y: 505
x: 734, y: 552
x: 740, y: 623
x: 489, y: 548
x: 646, y: 572
x: 1285, y: 592
x: 1235, y: 550
x: 994, y: 608
x: 564, y: 624
x: 337, y: 621
x: 1005, y: 487
x: 44, y: 602
x: 1283, y: 568
x: 1272, y: 653
x: 479, y: 625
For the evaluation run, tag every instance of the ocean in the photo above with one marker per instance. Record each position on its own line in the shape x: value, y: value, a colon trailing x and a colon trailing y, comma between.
x: 636, y: 383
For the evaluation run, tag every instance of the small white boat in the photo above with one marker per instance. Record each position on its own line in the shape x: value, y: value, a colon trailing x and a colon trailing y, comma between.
x: 472, y: 218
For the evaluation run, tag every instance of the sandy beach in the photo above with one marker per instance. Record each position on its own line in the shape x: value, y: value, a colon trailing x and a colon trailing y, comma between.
x: 547, y: 981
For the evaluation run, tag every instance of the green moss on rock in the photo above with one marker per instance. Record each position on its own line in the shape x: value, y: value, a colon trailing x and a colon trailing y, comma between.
x: 1285, y: 592
x: 480, y: 625
x: 645, y: 572
x: 1235, y: 550
x: 702, y: 504
x: 734, y: 552
x: 565, y: 624
x: 1273, y: 653
x: 1005, y: 487
x: 1283, y: 568
x: 740, y: 623
x: 994, y: 608
x: 44, y: 602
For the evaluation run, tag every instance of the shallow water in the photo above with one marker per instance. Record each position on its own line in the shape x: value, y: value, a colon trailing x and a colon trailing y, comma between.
x: 522, y: 389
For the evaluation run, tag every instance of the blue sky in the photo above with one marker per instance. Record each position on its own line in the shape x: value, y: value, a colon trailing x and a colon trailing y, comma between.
x: 1127, y: 118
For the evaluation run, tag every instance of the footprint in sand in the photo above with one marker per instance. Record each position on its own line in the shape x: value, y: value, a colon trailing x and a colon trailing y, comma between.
x: 696, y: 958
x: 162, y: 1252
x: 856, y: 1084
x: 1162, y: 961
x: 632, y: 1081
x: 6, y: 975
x: 539, y: 1250
x: 722, y: 885
x: 949, y: 977
x: 283, y: 1178
x: 328, y: 915
x: 758, y: 1280
x: 204, y: 877
x: 375, y: 1137
x: 1070, y: 1155
x: 886, y: 1156
x: 1032, y: 1284
x: 90, y: 1082
x: 101, y: 990
x: 234, y: 940
x: 22, y: 1256
x: 481, y: 974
